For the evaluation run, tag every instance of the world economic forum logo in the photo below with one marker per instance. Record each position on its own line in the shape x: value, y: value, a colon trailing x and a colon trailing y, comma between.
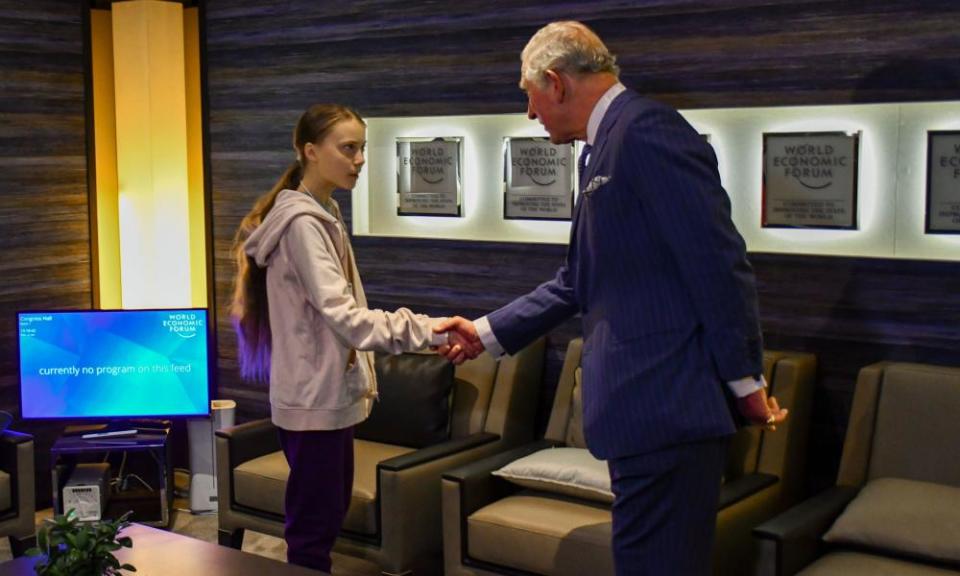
x: 184, y: 324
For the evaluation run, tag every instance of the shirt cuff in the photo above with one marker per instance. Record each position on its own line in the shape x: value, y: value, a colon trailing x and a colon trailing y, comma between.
x: 746, y: 386
x: 437, y: 340
x: 490, y: 342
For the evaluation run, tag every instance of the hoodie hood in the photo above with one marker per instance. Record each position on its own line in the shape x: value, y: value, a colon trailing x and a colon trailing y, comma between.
x: 289, y: 204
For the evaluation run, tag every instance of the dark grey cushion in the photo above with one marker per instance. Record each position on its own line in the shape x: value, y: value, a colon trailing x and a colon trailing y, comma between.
x: 903, y: 518
x: 414, y: 405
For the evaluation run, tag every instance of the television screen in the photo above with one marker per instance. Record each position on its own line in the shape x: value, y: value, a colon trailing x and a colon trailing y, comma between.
x: 114, y: 364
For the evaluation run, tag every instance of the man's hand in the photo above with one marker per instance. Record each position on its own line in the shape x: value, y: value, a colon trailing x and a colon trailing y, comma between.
x: 464, y: 343
x: 760, y: 410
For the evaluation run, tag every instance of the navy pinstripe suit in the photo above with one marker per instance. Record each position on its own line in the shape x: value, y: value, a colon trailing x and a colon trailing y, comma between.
x: 667, y: 297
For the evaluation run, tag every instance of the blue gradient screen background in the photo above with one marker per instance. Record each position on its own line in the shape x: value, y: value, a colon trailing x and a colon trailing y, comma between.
x: 113, y: 364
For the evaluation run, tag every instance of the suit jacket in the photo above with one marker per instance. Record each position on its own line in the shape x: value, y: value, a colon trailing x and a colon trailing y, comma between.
x: 659, y: 274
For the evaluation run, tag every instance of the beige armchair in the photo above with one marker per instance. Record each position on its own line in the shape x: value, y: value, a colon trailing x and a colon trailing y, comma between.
x: 895, y: 508
x: 492, y: 526
x: 17, y: 498
x: 394, y: 515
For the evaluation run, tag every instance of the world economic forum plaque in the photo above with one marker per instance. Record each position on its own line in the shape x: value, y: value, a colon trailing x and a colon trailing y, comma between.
x: 537, y: 179
x: 943, y: 182
x: 810, y: 180
x: 429, y: 176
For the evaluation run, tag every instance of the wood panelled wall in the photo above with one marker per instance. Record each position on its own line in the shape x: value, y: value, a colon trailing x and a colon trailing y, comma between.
x: 267, y: 60
x: 45, y: 239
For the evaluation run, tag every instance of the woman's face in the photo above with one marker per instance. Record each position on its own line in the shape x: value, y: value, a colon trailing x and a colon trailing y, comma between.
x: 338, y: 158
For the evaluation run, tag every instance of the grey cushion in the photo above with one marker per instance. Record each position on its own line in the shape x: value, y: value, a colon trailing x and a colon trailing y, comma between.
x: 903, y: 518
x: 543, y: 535
x: 569, y: 471
x: 414, y: 405
x: 856, y: 564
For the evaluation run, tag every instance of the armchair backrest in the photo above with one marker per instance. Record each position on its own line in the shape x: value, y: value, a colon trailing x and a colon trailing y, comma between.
x: 903, y: 424
x: 790, y: 378
x: 566, y: 415
x: 498, y: 397
x: 783, y: 451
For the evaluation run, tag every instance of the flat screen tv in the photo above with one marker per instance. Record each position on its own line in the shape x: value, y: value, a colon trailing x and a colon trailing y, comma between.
x: 114, y: 365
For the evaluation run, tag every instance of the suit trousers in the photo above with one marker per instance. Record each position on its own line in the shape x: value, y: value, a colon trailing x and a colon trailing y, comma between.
x: 665, y: 509
x: 318, y: 492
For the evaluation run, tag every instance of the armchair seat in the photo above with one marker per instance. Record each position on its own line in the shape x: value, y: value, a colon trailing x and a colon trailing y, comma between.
x: 859, y: 564
x: 540, y: 532
x: 362, y: 515
x: 261, y: 483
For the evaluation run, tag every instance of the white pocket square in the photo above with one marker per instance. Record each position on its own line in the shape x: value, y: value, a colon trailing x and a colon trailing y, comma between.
x: 595, y: 183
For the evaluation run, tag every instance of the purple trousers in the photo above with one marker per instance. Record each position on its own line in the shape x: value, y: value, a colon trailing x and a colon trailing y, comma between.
x: 318, y: 492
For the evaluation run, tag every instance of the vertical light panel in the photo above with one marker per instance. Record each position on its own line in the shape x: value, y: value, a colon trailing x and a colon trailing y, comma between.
x: 197, y: 206
x: 106, y: 233
x: 152, y: 167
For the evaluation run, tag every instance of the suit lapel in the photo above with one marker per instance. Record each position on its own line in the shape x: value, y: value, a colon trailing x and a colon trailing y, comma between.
x: 608, y: 122
x: 606, y: 125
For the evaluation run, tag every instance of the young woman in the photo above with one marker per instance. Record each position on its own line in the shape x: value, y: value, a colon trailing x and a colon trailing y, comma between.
x: 302, y: 321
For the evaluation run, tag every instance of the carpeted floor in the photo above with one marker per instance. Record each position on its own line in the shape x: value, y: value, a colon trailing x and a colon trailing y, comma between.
x: 204, y: 527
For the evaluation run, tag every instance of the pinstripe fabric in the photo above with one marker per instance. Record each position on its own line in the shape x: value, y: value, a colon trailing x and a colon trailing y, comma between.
x: 660, y: 276
x: 652, y: 535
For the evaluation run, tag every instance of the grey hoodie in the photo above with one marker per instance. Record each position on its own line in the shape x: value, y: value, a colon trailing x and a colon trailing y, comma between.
x: 321, y: 367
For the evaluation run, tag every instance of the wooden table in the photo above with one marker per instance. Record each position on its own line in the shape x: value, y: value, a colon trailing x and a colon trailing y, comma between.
x: 160, y: 553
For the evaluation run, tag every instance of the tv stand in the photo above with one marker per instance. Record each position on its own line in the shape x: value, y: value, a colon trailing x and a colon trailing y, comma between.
x: 149, y: 463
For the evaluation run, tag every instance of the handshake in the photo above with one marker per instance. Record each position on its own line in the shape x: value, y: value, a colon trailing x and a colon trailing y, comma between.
x: 463, y: 342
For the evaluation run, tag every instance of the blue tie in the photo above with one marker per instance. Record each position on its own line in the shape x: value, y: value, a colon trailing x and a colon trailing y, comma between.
x: 582, y: 162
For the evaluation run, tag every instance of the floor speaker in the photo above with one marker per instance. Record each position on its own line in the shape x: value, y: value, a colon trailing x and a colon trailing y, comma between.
x: 203, y: 459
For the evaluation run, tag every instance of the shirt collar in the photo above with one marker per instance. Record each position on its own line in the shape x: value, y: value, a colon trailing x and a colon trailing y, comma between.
x: 600, y: 110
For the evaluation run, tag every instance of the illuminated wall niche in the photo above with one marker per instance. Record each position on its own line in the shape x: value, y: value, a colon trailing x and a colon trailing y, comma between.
x: 891, y: 178
x: 148, y: 206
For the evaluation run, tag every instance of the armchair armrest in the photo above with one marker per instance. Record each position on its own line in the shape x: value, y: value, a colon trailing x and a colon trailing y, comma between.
x: 436, y: 452
x: 478, y: 487
x: 743, y: 487
x: 792, y: 540
x: 250, y: 440
x: 17, y: 460
x: 11, y: 437
x: 9, y: 440
x: 408, y: 490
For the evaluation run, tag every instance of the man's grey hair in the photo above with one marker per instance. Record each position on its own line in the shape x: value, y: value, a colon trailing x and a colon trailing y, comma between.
x: 569, y: 47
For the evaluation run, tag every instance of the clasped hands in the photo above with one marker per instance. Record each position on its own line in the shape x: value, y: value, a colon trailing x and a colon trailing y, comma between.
x: 463, y: 342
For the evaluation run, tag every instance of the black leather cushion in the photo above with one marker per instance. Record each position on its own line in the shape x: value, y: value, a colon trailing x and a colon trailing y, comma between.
x: 414, y: 405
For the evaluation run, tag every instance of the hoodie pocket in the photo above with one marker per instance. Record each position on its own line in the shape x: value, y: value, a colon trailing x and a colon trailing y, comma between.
x: 355, y: 382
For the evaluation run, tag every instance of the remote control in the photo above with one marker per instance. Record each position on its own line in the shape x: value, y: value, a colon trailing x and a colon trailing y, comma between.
x: 110, y: 434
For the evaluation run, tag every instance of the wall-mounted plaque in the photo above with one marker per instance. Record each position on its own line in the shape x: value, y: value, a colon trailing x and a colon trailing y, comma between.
x: 810, y: 180
x: 429, y: 176
x: 943, y: 183
x: 537, y: 179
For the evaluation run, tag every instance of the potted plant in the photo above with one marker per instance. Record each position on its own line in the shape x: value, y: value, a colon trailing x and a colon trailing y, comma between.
x: 73, y: 548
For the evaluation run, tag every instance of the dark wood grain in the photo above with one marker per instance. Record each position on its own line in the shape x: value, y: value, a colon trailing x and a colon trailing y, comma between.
x: 45, y: 240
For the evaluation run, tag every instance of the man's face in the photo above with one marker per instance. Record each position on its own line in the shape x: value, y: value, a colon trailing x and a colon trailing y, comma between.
x: 545, y: 103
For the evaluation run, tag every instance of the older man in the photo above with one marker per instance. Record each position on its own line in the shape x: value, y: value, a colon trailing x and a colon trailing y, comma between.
x: 660, y: 276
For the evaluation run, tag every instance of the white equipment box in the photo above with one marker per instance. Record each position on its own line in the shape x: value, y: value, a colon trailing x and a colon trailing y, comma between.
x: 87, y: 491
